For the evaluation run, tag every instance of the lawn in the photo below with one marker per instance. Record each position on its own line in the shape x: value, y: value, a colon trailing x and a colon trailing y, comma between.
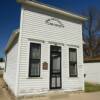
x: 92, y: 87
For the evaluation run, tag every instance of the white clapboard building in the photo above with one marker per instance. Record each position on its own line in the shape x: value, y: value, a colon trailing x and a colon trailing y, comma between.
x: 92, y: 70
x: 45, y: 53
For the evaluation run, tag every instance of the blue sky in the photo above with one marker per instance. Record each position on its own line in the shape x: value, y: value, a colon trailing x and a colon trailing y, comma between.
x: 10, y: 14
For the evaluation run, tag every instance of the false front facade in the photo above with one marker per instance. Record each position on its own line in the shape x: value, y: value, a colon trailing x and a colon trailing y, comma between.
x: 46, y: 53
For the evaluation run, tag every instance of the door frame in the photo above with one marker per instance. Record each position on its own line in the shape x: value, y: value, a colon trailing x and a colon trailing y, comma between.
x: 60, y: 69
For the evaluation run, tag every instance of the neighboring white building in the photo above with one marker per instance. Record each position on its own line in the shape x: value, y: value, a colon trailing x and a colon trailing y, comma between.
x: 2, y: 65
x: 46, y: 53
x: 92, y: 71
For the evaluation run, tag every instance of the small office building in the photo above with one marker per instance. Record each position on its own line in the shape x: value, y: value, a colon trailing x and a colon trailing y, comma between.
x: 46, y: 52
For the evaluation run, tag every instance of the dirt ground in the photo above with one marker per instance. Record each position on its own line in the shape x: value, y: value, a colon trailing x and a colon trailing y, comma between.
x: 67, y: 96
x: 4, y: 95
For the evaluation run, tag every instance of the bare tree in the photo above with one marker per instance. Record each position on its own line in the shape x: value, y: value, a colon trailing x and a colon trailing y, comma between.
x: 90, y: 29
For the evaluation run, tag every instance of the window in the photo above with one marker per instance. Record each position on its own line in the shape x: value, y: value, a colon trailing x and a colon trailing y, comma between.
x: 34, y: 61
x: 72, y: 62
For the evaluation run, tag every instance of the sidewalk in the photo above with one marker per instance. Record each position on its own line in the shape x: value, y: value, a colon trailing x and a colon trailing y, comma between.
x: 72, y: 96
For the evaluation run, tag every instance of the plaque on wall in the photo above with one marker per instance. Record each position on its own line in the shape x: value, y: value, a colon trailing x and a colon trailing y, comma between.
x: 45, y: 66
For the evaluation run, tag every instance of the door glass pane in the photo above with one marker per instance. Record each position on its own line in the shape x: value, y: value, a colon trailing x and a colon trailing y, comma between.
x: 56, y: 49
x: 56, y: 64
x: 58, y: 81
x: 53, y: 81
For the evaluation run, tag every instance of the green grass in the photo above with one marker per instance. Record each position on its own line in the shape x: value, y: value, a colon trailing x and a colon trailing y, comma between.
x: 92, y: 87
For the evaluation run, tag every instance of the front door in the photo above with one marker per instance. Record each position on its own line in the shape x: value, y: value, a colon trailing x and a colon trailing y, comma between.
x: 55, y: 67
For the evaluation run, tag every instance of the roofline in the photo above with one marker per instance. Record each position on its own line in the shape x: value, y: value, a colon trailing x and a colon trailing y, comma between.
x: 92, y: 61
x: 45, y: 7
x: 12, y: 38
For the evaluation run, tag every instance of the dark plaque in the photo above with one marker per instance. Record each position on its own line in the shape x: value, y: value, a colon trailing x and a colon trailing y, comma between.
x: 45, y: 66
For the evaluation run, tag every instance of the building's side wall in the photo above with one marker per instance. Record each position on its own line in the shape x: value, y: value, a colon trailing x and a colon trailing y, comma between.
x: 11, y: 68
x: 34, y: 29
x: 92, y: 71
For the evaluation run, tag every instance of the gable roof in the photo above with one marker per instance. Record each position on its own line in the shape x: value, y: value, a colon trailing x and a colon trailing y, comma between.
x: 45, y: 7
x: 11, y: 40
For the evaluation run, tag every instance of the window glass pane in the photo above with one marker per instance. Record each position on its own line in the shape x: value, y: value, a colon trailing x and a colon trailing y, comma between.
x: 73, y: 56
x: 35, y: 68
x: 73, y: 62
x: 35, y: 51
x: 73, y: 70
x: 35, y: 57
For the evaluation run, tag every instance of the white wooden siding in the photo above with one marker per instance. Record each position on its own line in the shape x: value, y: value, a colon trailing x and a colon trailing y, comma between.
x: 34, y: 27
x: 11, y: 68
x: 92, y: 71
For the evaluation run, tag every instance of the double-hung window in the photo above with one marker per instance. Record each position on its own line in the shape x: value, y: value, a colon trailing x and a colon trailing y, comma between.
x: 73, y: 62
x: 34, y: 60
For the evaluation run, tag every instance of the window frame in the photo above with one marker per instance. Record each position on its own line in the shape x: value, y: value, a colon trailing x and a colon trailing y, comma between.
x: 73, y: 62
x: 30, y: 60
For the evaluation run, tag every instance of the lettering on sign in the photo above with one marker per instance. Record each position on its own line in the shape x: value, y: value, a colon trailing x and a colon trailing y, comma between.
x: 54, y: 22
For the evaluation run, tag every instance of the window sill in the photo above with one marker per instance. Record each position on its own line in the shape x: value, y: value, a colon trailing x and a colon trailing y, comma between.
x: 34, y: 78
x: 73, y: 77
